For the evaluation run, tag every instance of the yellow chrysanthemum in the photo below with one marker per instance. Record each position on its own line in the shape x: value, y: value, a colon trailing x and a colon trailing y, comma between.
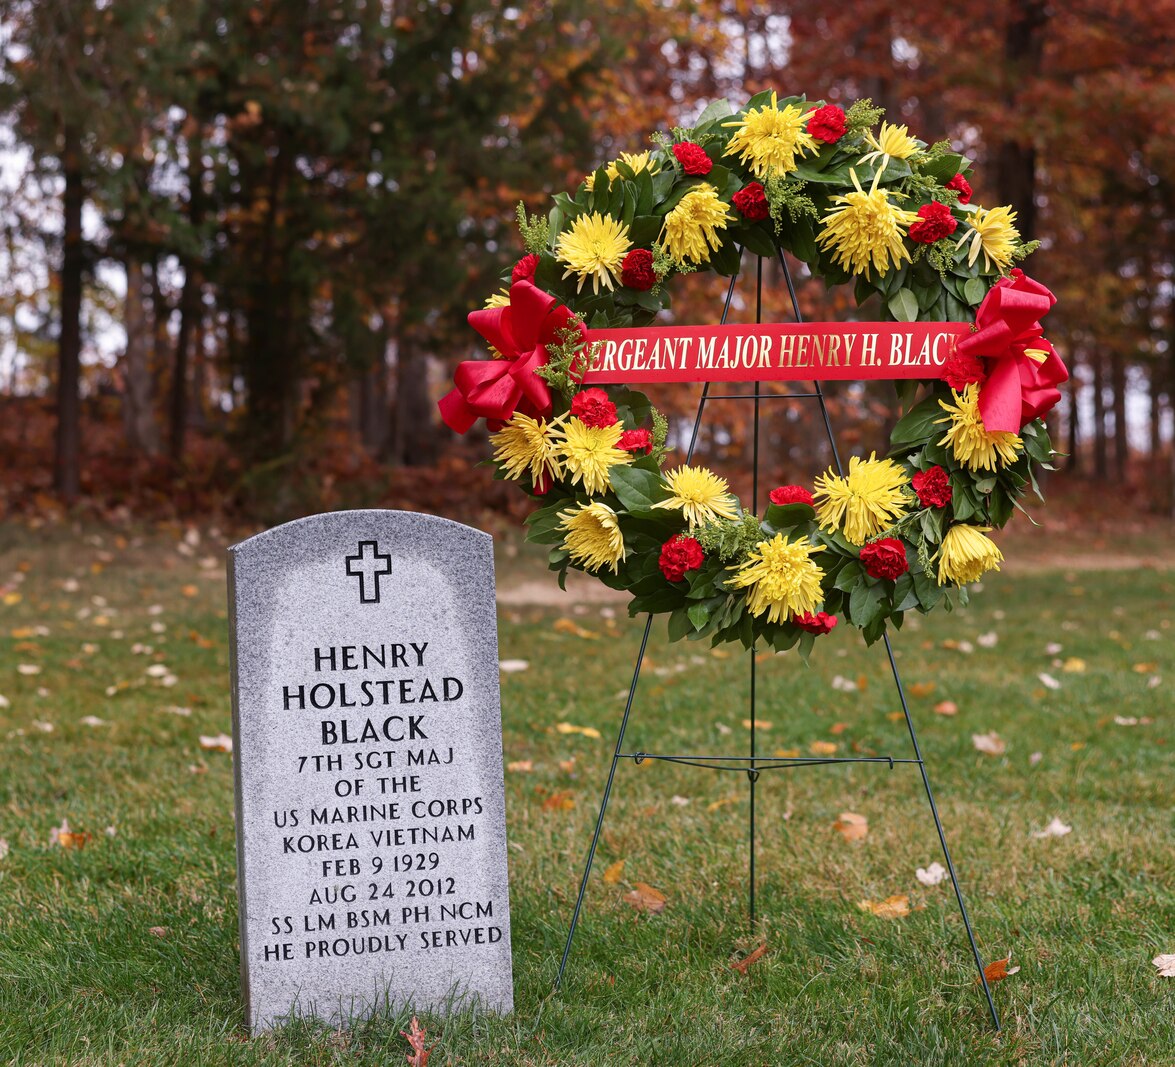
x: 973, y: 445
x: 866, y: 231
x: 967, y: 555
x: 891, y: 142
x: 691, y: 228
x: 528, y: 445
x: 593, y: 247
x: 589, y: 452
x: 865, y: 501
x: 636, y: 161
x: 700, y: 495
x: 768, y: 139
x: 780, y: 578
x: 499, y: 299
x: 593, y: 536
x: 993, y: 232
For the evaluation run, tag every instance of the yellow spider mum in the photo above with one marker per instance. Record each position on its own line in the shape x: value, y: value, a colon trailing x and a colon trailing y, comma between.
x: 593, y: 536
x: 525, y: 444
x: 780, y: 578
x: 593, y: 248
x: 499, y: 299
x: 589, y: 452
x: 637, y: 161
x: 865, y: 501
x: 691, y: 228
x: 891, y: 142
x: 700, y: 494
x: 967, y: 555
x: 973, y: 445
x: 866, y: 231
x: 768, y: 139
x: 993, y: 232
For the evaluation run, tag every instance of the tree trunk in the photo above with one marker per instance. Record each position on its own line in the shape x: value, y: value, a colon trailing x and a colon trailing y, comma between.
x: 189, y: 308
x: 67, y: 458
x: 1016, y: 156
x: 1074, y: 444
x: 1101, y: 468
x: 1121, y: 438
x: 414, y: 434
x: 138, y: 412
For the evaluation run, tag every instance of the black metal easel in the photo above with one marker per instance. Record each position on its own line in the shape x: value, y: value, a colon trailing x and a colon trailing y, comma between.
x: 753, y: 765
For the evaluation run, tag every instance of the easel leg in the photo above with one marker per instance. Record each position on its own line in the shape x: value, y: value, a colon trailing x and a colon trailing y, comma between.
x: 587, y: 870
x: 942, y: 839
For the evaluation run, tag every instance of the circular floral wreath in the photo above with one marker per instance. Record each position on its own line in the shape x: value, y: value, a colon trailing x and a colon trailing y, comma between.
x: 852, y: 201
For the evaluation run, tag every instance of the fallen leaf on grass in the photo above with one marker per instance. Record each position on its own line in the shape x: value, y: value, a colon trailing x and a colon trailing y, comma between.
x: 895, y: 716
x: 28, y: 669
x: 568, y: 728
x: 715, y: 805
x: 1048, y: 681
x: 931, y: 875
x: 92, y: 720
x: 680, y: 801
x: 851, y: 826
x: 645, y: 898
x: 1073, y: 665
x: 416, y: 1035
x: 561, y: 801
x: 988, y: 640
x: 66, y: 838
x: 159, y: 931
x: 894, y: 907
x: 991, y: 744
x: 3, y: 848
x: 998, y: 970
x: 1166, y: 964
x: 4, y: 701
x: 838, y: 728
x: 843, y: 685
x: 521, y: 766
x: 1056, y: 828
x: 613, y: 873
x: 513, y: 666
x: 1035, y: 758
x: 190, y: 590
x: 787, y: 753
x: 1144, y: 668
x: 922, y: 689
x: 44, y: 727
x: 744, y: 965
x: 758, y: 724
x: 567, y: 766
x: 822, y: 748
x: 946, y: 707
x: 219, y: 743
x: 570, y: 626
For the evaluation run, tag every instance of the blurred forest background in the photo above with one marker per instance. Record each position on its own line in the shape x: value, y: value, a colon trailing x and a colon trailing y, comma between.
x: 240, y: 237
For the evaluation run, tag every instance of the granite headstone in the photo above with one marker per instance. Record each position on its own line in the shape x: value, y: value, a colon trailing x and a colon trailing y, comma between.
x: 371, y: 834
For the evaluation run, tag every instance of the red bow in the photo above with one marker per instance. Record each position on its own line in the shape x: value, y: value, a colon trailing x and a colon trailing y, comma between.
x: 495, y: 389
x: 1023, y: 369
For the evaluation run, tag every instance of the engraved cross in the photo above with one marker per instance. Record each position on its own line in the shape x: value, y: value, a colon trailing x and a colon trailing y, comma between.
x: 369, y: 565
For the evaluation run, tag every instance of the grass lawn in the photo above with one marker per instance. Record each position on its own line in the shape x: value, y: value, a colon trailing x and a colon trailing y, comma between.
x: 125, y: 951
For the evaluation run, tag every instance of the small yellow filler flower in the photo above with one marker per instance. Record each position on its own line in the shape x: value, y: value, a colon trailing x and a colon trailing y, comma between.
x: 865, y: 501
x: 866, y: 231
x: 768, y: 139
x: 780, y: 578
x: 593, y: 247
x: 691, y: 228
x: 528, y: 445
x: 636, y: 162
x: 593, y: 536
x: 589, y: 452
x: 891, y: 142
x: 993, y: 232
x: 967, y: 555
x: 700, y: 494
x: 973, y: 445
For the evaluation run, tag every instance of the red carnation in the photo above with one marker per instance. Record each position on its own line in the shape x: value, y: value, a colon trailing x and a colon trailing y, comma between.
x: 636, y: 441
x: 935, y: 222
x: 820, y: 623
x: 933, y: 487
x: 791, y: 494
x: 525, y: 268
x: 960, y: 371
x: 693, y: 158
x: 678, y: 555
x: 636, y: 270
x: 827, y: 124
x: 751, y: 202
x: 593, y: 408
x: 964, y: 187
x: 885, y: 559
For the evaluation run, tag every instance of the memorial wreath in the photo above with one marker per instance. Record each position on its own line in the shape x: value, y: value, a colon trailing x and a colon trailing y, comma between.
x: 853, y: 201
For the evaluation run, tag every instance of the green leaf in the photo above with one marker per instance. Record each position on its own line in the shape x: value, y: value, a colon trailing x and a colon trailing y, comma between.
x: 785, y: 516
x: 929, y: 591
x: 715, y: 110
x: 699, y: 615
x: 679, y: 625
x: 645, y: 230
x: 917, y: 425
x: 865, y: 604
x: 850, y: 574
x: 756, y: 240
x: 974, y: 290
x: 905, y: 596
x: 638, y: 490
x: 903, y: 305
